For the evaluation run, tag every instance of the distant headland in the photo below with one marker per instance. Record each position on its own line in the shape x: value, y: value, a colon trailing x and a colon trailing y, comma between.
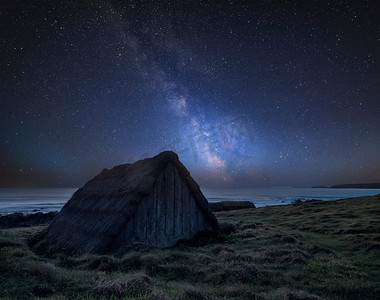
x: 352, y: 186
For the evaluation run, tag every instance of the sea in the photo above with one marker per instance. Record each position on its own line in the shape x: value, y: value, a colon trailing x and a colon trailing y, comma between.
x: 52, y: 199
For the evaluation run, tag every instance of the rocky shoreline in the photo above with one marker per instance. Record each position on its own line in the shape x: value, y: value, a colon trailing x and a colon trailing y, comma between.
x: 26, y: 220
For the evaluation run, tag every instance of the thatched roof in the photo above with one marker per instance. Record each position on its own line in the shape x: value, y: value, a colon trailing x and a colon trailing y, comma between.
x: 96, y: 213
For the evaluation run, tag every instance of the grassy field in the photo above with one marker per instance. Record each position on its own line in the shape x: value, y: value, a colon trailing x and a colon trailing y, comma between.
x: 315, y: 250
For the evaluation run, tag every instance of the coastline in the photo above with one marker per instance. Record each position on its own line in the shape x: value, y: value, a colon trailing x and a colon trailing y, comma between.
x: 38, y: 217
x: 309, y: 250
x: 48, y: 200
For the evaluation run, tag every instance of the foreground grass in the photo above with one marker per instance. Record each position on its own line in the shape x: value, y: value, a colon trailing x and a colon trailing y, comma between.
x: 326, y: 250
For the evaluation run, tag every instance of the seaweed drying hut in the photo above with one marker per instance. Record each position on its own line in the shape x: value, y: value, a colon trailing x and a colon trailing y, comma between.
x: 152, y: 202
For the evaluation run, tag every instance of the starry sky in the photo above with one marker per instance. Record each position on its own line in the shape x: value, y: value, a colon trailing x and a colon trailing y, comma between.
x: 248, y: 93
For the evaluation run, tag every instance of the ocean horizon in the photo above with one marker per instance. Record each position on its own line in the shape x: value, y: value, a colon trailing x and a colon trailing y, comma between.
x: 30, y: 200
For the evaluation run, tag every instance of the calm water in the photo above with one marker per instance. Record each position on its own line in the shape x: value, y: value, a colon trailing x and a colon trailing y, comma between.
x: 45, y: 200
x: 284, y: 195
x: 29, y: 200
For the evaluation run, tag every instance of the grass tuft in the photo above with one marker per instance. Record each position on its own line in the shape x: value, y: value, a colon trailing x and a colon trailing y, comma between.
x: 121, y: 285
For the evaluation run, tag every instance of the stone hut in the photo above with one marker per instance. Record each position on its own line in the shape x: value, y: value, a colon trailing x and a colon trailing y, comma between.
x: 153, y: 202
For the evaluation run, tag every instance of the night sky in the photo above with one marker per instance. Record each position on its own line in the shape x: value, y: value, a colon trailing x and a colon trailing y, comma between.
x: 248, y: 93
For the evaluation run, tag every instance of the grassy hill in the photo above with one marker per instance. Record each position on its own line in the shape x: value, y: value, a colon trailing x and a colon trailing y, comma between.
x: 312, y: 250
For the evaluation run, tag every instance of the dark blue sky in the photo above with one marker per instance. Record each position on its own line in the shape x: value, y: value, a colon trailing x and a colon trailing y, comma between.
x: 247, y: 93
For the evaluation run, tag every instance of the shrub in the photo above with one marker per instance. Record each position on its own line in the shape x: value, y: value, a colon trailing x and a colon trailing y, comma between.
x: 42, y: 290
x: 130, y: 262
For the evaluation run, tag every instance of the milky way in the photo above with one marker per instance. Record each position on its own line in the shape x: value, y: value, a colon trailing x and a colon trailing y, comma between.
x: 248, y: 94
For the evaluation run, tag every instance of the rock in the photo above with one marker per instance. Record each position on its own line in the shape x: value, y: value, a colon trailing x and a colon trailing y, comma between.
x: 300, y: 201
x: 230, y: 205
x: 297, y: 201
x: 312, y: 201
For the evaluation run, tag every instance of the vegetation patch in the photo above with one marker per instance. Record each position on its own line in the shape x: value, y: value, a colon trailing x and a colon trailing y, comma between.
x: 308, y: 250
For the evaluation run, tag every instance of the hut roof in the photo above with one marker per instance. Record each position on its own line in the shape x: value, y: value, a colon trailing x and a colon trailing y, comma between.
x: 97, y: 212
